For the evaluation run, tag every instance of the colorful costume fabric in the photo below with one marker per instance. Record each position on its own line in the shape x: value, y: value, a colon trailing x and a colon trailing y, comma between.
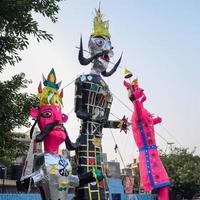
x: 152, y: 172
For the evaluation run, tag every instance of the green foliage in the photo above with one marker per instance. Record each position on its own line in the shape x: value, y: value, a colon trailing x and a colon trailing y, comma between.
x: 183, y: 168
x: 14, y: 112
x: 17, y: 23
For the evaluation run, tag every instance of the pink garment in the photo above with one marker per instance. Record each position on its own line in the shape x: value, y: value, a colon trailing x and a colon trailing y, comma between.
x: 47, y: 114
x: 152, y: 172
x: 163, y: 193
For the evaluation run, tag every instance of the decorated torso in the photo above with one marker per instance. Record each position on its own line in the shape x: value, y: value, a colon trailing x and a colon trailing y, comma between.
x: 95, y: 95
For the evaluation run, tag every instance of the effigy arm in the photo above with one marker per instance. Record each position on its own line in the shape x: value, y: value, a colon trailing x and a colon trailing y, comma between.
x: 157, y: 120
x: 69, y: 144
x: 122, y: 124
x: 112, y: 124
x: 80, y: 112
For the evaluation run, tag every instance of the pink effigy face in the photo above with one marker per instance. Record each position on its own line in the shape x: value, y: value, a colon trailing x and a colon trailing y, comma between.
x: 47, y: 114
x: 135, y: 91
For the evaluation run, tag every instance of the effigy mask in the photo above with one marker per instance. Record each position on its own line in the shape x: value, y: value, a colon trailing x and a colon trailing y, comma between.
x: 47, y: 114
x: 100, y: 44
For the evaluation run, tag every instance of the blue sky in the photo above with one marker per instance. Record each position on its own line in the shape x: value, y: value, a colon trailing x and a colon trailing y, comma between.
x: 160, y: 41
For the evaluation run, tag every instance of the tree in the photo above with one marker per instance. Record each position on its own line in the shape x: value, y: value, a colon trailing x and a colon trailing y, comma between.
x: 183, y: 168
x: 14, y: 112
x: 17, y: 23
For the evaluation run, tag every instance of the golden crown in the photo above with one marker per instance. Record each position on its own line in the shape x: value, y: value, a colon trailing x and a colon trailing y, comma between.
x: 100, y: 27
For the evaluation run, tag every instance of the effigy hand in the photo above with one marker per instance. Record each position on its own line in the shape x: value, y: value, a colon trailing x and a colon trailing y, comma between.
x: 157, y: 120
x: 124, y: 124
x: 79, y: 139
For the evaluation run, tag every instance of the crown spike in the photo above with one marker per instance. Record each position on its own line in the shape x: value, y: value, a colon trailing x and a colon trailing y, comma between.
x: 43, y: 78
x: 61, y: 94
x: 59, y: 84
x: 40, y: 88
x: 101, y: 28
x: 52, y: 76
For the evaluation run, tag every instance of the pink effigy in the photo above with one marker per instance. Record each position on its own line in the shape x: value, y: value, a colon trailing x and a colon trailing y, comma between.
x: 152, y: 172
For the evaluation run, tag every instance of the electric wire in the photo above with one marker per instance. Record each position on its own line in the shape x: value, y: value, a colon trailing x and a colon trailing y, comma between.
x: 122, y: 103
x: 70, y: 112
x: 161, y: 137
x: 117, y: 148
x: 167, y: 131
x: 132, y: 111
x: 69, y: 84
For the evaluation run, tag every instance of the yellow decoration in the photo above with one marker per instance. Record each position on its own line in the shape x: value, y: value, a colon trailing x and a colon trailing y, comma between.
x: 134, y: 82
x: 52, y: 78
x: 53, y: 170
x: 100, y: 27
x: 127, y: 73
x: 51, y: 96
x: 96, y: 142
x: 63, y: 184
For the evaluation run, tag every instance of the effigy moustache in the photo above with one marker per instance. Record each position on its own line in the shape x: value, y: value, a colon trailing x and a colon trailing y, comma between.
x: 82, y: 59
x: 106, y: 74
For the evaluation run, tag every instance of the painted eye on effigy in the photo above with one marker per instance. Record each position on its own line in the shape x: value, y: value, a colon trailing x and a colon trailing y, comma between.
x: 99, y: 41
x: 46, y: 114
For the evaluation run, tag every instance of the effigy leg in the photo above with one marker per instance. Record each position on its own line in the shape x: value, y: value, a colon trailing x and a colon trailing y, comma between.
x: 42, y: 194
x: 163, y: 193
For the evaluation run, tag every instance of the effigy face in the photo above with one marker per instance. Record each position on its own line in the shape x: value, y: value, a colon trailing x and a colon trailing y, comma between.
x: 47, y: 114
x: 134, y: 91
x: 99, y: 44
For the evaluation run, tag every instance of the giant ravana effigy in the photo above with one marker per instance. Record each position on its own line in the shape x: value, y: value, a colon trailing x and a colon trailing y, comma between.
x: 93, y: 101
x: 51, y: 172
